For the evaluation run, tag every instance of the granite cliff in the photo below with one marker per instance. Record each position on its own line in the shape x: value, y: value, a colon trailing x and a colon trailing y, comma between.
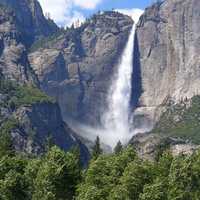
x: 34, y: 120
x: 21, y: 23
x: 167, y: 47
x: 30, y: 116
x: 75, y: 66
x: 166, y: 79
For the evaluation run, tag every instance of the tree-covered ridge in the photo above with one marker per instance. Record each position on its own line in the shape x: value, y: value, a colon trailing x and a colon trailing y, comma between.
x: 181, y: 120
x: 122, y: 176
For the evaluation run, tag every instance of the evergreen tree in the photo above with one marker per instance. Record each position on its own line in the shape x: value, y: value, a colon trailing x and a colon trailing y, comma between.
x: 103, y: 176
x: 72, y: 26
x: 6, y: 145
x: 155, y: 191
x: 118, y: 148
x: 49, y: 143
x: 13, y: 183
x: 96, y: 150
x: 58, y: 176
x: 1, y: 74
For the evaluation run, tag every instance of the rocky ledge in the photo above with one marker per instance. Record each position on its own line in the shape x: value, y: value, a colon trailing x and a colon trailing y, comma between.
x: 151, y: 146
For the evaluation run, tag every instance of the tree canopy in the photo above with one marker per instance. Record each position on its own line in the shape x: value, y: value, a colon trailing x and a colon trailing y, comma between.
x: 57, y: 175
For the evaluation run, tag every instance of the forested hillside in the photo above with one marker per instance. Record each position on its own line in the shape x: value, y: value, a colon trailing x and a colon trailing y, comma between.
x: 119, y: 176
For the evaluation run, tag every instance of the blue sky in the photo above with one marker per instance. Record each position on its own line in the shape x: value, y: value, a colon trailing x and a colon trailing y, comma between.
x: 123, y: 4
x: 65, y: 12
x: 117, y: 4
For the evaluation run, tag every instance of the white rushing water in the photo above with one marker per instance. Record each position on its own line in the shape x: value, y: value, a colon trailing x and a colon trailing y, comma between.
x: 116, y: 118
x: 115, y: 121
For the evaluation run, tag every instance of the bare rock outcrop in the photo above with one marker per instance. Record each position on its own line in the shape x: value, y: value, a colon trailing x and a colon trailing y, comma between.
x: 152, y: 146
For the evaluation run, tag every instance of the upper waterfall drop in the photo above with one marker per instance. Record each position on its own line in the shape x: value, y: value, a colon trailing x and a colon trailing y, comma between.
x: 116, y: 119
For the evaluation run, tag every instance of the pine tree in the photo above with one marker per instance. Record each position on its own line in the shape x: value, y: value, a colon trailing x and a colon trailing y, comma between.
x: 118, y: 148
x: 6, y: 142
x: 72, y: 26
x: 96, y: 150
x: 6, y: 146
x: 49, y: 143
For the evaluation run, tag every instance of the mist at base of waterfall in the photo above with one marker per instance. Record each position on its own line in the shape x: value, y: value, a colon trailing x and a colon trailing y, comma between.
x: 108, y: 139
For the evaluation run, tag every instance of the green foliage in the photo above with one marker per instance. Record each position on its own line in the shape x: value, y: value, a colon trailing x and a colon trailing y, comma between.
x: 155, y: 191
x: 57, y: 177
x: 13, y: 184
x: 118, y: 148
x: 31, y: 172
x: 104, y: 175
x: 96, y: 150
x: 46, y: 41
x: 53, y: 176
x: 162, y: 148
x: 181, y: 182
x: 17, y: 95
x: 125, y: 177
x: 28, y: 95
x: 6, y: 147
x: 181, y: 120
x: 131, y: 183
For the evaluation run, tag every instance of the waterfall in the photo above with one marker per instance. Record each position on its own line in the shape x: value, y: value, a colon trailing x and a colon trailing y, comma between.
x: 116, y: 118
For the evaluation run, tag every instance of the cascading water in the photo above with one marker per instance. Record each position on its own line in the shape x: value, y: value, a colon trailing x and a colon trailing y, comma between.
x: 116, y: 119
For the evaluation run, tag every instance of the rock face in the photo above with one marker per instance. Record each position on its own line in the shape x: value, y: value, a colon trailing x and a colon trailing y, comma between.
x: 167, y: 48
x: 30, y: 124
x: 41, y: 122
x: 44, y: 120
x: 34, y: 124
x: 21, y: 23
x: 26, y: 19
x: 77, y: 66
x: 151, y: 146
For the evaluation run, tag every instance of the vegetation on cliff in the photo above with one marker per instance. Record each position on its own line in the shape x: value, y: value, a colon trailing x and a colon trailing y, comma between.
x: 181, y: 120
x: 17, y: 95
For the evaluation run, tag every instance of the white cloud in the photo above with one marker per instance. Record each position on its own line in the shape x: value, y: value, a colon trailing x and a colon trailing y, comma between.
x: 87, y: 4
x: 63, y: 11
x: 135, y: 13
